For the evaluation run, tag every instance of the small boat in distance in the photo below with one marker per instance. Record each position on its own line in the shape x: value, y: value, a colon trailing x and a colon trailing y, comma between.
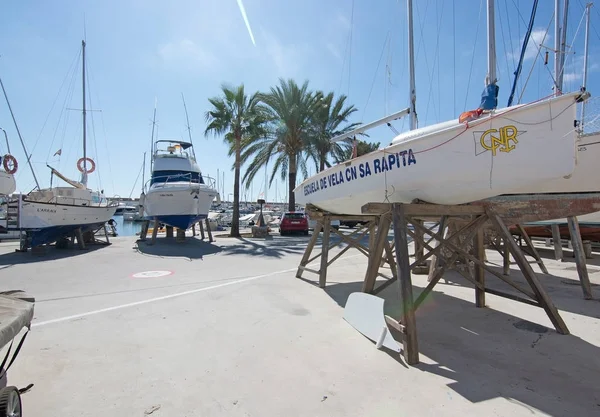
x: 178, y: 194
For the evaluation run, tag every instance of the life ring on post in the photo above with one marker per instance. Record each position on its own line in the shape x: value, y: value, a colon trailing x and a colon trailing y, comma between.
x: 10, y: 164
x: 90, y: 169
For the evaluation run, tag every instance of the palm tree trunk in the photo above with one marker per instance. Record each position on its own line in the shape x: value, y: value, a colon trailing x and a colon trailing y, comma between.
x: 292, y: 183
x: 322, y: 162
x: 235, y: 221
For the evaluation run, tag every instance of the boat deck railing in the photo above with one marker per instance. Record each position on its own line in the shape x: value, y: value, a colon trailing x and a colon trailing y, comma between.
x: 164, y: 180
x: 73, y: 201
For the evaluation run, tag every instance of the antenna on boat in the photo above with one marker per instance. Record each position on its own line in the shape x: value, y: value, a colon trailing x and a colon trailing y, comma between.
x: 187, y: 119
x: 144, y: 172
x: 20, y: 137
x: 412, y: 116
x: 152, y: 136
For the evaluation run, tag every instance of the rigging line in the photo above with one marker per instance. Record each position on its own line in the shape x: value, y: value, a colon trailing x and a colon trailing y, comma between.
x: 473, y: 55
x: 523, y: 50
x: 506, y: 52
x: 454, y: 57
x: 535, y: 60
x: 435, y: 61
x: 136, y: 180
x: 75, y: 58
x: 89, y: 89
x: 350, y: 48
x: 571, y: 46
x: 375, y: 75
x: 510, y: 39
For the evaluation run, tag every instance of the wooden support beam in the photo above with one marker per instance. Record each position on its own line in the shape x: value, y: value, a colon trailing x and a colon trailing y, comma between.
x: 194, y: 229
x: 410, y: 342
x: 169, y: 231
x: 434, y: 263
x: 208, y: 231
x: 579, y: 254
x: 309, y: 249
x: 80, y: 241
x: 558, y: 252
x: 201, y: 230
x: 505, y: 259
x: 375, y: 253
x: 325, y: 252
x: 532, y: 248
x: 541, y: 295
x: 154, y: 232
x: 479, y: 269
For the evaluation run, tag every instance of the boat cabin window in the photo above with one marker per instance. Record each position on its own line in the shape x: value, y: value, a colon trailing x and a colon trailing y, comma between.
x: 176, y: 176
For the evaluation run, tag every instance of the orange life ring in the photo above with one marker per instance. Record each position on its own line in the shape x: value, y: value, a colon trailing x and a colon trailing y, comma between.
x: 90, y: 169
x: 10, y: 164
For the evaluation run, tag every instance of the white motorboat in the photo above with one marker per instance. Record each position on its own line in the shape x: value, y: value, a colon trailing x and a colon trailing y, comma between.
x: 178, y: 194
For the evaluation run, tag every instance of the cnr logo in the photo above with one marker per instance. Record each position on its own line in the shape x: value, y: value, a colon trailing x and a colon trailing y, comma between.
x: 503, y: 139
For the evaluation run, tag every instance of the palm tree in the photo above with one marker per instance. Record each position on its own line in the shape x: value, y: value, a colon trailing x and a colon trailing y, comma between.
x: 326, y: 122
x: 362, y: 148
x: 290, y: 109
x: 236, y: 117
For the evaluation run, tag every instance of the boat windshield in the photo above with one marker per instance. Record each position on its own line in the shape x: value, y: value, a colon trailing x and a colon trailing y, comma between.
x: 172, y: 149
x: 176, y: 176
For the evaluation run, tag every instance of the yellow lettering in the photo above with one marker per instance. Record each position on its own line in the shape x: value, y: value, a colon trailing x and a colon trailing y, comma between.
x: 507, y: 135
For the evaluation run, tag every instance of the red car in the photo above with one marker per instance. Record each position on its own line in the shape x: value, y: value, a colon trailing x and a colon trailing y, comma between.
x: 293, y: 222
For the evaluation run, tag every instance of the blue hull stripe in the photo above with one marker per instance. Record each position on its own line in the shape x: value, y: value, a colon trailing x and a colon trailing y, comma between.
x: 51, y: 234
x: 180, y: 221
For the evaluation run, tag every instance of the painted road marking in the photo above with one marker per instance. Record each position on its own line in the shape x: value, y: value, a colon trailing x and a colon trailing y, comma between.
x: 151, y: 274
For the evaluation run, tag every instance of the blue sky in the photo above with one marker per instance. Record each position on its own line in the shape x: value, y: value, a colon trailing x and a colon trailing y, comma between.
x: 139, y: 50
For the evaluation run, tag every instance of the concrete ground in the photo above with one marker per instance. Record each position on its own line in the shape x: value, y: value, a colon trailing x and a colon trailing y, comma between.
x: 231, y: 332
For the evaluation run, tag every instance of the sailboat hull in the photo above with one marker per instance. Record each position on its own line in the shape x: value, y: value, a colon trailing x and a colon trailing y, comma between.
x: 514, y: 149
x: 45, y: 223
x: 7, y: 183
x: 178, y: 204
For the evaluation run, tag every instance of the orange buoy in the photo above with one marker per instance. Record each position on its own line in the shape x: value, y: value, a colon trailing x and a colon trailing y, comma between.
x: 90, y: 169
x: 10, y: 164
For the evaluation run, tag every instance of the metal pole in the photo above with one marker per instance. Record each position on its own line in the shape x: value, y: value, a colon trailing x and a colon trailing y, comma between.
x: 7, y: 144
x: 412, y: 116
x: 84, y: 175
x: 563, y: 43
x: 585, y: 59
x: 20, y: 137
x: 491, y: 78
x: 557, y: 85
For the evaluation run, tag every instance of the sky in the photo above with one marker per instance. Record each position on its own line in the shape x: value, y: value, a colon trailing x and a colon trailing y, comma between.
x: 144, y: 51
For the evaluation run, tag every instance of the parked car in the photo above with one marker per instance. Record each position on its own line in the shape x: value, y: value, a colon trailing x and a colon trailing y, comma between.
x: 293, y: 221
x: 312, y: 223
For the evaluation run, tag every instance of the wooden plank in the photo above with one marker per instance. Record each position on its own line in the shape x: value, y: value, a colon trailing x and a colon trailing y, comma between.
x: 425, y: 210
x: 201, y: 230
x: 375, y: 252
x: 506, y: 259
x: 558, y: 252
x: 579, y: 255
x: 479, y: 270
x: 309, y: 249
x: 154, y: 232
x: 433, y: 263
x: 542, y: 297
x: 325, y: 253
x: 208, y: 231
x: 410, y: 342
x: 532, y: 248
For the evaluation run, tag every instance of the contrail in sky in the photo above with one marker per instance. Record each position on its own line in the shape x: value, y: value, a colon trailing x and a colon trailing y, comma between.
x: 241, y: 6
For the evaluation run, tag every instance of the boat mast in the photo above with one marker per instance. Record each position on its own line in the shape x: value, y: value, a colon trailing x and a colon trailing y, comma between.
x: 491, y: 77
x: 144, y: 173
x: 557, y: 59
x: 187, y: 119
x: 84, y: 173
x: 585, y: 59
x: 20, y: 137
x: 412, y: 116
x: 563, y: 43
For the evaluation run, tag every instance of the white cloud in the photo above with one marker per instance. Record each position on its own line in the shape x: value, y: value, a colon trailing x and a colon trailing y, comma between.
x: 186, y: 54
x: 538, y: 37
x: 287, y: 59
x: 571, y: 76
x: 334, y: 50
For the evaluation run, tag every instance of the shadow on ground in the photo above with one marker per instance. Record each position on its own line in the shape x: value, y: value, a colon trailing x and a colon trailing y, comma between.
x: 488, y: 354
x: 190, y: 248
x: 51, y: 253
x: 274, y: 246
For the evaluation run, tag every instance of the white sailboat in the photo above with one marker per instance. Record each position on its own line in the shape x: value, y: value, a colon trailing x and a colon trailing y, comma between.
x: 513, y: 150
x: 7, y: 179
x: 49, y: 214
x: 178, y: 194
